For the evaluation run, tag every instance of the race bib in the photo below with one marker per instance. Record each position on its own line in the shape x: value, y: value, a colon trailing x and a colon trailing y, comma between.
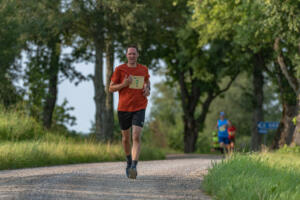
x: 222, y: 128
x: 137, y: 82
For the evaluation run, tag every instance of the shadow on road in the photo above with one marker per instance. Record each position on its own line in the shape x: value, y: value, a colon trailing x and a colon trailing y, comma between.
x: 189, y: 156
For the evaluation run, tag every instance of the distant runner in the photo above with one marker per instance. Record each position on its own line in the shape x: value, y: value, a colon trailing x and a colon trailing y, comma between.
x: 222, y: 126
x: 231, y: 137
x: 131, y: 80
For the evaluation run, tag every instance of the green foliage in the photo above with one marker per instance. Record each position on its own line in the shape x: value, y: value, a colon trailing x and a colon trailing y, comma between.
x: 16, y: 125
x: 239, y: 21
x: 166, y: 126
x: 262, y: 176
x: 204, y: 143
x: 62, y: 116
x: 287, y: 149
x: 237, y: 105
x: 10, y: 33
x: 24, y: 143
x: 10, y: 52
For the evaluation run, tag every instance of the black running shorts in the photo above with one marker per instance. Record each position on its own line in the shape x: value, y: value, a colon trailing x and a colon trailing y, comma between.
x: 127, y: 119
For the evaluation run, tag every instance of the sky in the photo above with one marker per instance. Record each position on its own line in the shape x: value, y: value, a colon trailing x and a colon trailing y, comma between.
x: 81, y: 97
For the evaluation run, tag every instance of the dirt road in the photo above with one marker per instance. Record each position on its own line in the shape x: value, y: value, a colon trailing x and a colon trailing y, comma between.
x: 178, y: 177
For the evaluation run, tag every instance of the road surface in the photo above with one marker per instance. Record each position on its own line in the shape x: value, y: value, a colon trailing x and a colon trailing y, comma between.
x: 178, y: 177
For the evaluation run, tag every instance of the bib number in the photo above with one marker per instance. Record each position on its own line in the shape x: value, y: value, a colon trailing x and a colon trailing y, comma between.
x: 222, y: 128
x: 137, y: 82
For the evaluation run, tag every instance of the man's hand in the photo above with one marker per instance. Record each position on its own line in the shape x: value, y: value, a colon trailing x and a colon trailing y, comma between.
x: 127, y: 81
x: 146, y: 89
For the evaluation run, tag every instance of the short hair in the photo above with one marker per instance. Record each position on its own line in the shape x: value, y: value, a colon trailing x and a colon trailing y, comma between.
x: 132, y: 46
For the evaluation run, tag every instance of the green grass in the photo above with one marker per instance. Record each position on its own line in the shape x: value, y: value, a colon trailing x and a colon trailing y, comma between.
x: 46, y: 153
x: 266, y: 176
x: 24, y: 143
x: 15, y: 126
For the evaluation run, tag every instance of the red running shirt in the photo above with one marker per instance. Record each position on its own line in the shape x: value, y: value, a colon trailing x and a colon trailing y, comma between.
x: 131, y: 98
x: 231, y: 132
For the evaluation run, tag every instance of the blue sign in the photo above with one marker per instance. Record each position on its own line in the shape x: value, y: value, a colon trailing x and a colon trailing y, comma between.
x: 264, y: 127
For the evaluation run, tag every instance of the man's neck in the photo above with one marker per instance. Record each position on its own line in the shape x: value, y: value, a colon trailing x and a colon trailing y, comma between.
x: 131, y: 64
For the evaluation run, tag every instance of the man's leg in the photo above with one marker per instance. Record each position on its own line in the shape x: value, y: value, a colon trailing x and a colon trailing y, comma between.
x: 136, y: 142
x: 125, y: 120
x: 127, y: 148
x: 136, y: 148
x: 222, y: 147
x: 137, y: 124
x: 126, y: 141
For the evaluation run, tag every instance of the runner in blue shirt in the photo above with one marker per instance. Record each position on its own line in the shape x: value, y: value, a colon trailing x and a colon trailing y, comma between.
x: 222, y: 126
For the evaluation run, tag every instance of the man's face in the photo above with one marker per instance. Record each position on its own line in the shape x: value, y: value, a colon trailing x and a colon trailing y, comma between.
x: 132, y: 55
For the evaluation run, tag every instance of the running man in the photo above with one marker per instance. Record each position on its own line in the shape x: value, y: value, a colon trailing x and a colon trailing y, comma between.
x: 222, y: 126
x: 131, y: 80
x: 231, y: 136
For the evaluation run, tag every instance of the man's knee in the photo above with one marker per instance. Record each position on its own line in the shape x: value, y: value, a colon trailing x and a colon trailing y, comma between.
x: 136, y: 134
x: 136, y: 138
x: 126, y: 136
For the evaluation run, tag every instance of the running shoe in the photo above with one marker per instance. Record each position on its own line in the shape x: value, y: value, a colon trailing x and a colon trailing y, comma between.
x: 132, y: 172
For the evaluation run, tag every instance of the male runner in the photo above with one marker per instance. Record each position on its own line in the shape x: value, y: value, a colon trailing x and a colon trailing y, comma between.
x: 222, y: 125
x: 131, y: 80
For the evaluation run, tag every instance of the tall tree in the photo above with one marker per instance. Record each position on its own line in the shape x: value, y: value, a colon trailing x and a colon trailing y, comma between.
x: 95, y: 25
x: 283, y: 22
x: 10, y: 52
x: 239, y: 22
x: 196, y: 70
x: 285, y: 131
x: 45, y: 28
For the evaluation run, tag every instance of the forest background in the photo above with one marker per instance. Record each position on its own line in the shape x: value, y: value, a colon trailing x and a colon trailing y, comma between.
x: 241, y: 57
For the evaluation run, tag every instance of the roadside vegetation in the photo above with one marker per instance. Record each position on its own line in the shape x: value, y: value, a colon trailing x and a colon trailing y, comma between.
x: 24, y: 143
x: 267, y: 176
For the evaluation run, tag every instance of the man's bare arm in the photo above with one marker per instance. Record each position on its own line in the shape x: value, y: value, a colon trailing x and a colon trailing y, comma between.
x: 113, y: 87
x: 146, y: 89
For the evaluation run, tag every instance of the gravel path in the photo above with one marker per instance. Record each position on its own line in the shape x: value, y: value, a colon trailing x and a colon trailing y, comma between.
x: 178, y: 177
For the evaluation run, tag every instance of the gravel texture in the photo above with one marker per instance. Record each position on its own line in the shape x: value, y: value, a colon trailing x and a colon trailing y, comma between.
x: 178, y: 177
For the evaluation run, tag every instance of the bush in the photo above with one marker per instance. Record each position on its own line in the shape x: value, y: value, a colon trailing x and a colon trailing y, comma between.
x: 287, y: 149
x: 16, y: 125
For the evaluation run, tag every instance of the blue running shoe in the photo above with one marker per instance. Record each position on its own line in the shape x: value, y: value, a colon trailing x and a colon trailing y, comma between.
x: 132, y: 172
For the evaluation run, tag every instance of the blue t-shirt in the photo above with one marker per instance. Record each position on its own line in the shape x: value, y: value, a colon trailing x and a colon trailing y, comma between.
x: 222, y: 128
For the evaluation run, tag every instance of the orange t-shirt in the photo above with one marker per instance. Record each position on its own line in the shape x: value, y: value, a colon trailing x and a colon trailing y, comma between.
x: 131, y: 98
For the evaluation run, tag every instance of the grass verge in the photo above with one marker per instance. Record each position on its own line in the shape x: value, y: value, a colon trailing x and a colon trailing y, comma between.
x: 24, y: 143
x: 25, y: 154
x: 265, y: 176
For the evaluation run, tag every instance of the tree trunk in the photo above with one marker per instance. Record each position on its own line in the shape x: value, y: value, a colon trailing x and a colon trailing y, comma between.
x: 296, y: 137
x: 190, y: 134
x: 294, y: 83
x: 189, y: 102
x: 109, y: 131
x: 99, y: 90
x: 285, y: 131
x: 258, y: 81
x: 51, y: 96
